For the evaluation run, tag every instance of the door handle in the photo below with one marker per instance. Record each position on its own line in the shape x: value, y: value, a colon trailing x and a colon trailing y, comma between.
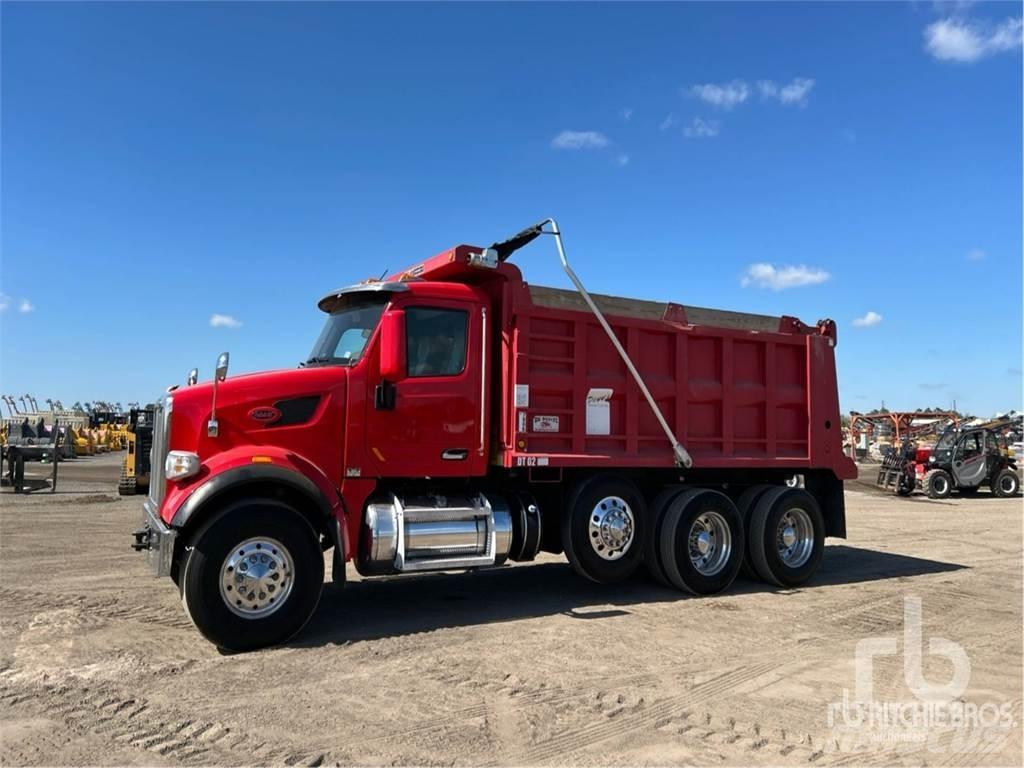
x: 454, y: 454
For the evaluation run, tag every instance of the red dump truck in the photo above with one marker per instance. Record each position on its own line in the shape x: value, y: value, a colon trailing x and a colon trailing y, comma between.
x: 453, y: 416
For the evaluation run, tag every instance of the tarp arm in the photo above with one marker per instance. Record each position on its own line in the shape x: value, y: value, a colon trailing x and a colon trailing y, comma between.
x: 682, y: 456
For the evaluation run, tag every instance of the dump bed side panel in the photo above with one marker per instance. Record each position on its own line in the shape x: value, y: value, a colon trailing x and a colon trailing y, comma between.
x: 736, y: 396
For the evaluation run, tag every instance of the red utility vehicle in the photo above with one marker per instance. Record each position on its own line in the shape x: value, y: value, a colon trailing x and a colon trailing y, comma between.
x: 453, y: 416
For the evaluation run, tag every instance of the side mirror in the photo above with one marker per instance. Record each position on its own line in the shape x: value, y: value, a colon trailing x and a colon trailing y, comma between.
x: 222, y: 366
x: 392, y: 346
x: 193, y: 376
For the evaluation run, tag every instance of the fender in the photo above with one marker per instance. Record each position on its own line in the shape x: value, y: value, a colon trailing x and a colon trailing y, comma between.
x: 236, y: 467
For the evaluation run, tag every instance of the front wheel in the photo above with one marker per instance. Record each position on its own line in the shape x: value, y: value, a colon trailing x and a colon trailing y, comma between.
x: 905, y: 484
x: 1006, y: 483
x: 253, y: 575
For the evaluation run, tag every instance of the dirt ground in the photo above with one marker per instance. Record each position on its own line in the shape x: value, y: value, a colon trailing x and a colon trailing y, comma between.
x: 524, y: 665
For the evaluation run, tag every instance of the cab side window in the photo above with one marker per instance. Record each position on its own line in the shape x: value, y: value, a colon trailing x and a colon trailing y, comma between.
x: 969, y: 447
x: 435, y: 341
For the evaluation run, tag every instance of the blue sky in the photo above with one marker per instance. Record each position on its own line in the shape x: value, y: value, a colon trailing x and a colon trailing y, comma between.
x: 163, y: 164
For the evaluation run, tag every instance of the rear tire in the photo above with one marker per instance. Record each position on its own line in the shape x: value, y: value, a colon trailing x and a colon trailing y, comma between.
x: 786, y: 537
x: 656, y: 515
x: 603, y: 529
x: 253, y: 575
x: 701, y: 542
x: 1006, y: 483
x: 746, y: 504
x: 938, y: 484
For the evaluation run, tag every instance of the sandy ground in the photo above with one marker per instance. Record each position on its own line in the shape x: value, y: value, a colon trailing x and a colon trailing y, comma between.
x: 525, y: 665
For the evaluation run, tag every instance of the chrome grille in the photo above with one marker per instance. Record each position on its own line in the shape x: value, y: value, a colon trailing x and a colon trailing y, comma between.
x: 158, y: 453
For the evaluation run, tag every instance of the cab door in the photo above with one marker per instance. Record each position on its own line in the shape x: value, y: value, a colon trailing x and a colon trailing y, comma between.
x: 431, y: 421
x: 969, y: 461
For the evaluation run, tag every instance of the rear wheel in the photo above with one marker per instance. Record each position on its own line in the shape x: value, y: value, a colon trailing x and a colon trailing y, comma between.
x: 746, y: 504
x: 701, y: 542
x: 786, y: 538
x: 603, y: 529
x: 656, y: 515
x: 1006, y: 483
x: 253, y: 575
x: 938, y: 484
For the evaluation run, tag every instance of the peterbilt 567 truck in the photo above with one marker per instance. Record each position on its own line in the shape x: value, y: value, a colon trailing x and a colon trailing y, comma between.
x: 453, y: 416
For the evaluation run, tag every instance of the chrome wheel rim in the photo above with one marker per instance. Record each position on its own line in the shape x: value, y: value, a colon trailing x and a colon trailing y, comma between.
x: 1008, y: 484
x: 612, y: 528
x: 795, y: 537
x: 256, y: 578
x: 709, y: 543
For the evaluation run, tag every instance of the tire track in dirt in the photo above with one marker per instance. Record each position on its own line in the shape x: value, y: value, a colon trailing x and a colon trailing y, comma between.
x: 132, y: 721
x: 754, y: 738
x: 111, y: 608
x: 519, y: 701
x: 576, y: 739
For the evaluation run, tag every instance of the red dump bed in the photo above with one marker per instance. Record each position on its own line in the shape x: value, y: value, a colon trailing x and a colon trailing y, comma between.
x: 739, y: 390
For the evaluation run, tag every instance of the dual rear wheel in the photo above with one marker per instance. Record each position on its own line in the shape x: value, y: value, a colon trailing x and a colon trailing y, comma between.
x: 693, y: 539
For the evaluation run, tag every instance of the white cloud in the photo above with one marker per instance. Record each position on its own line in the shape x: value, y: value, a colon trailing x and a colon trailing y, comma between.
x: 868, y: 320
x: 667, y: 123
x: 795, y: 92
x: 24, y: 305
x: 701, y: 129
x: 780, y: 278
x: 580, y: 140
x: 626, y: 113
x: 224, y: 321
x: 622, y: 160
x: 725, y: 96
x: 962, y: 40
x: 976, y: 254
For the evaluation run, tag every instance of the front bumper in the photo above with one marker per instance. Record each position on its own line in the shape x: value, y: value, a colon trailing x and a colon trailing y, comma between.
x: 156, y: 539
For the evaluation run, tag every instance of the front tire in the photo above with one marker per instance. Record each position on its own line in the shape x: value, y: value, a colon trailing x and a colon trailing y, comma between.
x: 604, y: 528
x: 786, y: 537
x: 253, y: 575
x: 938, y: 484
x: 1006, y: 483
x: 905, y: 484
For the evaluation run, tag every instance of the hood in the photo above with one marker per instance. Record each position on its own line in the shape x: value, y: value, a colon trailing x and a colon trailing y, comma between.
x: 257, y: 408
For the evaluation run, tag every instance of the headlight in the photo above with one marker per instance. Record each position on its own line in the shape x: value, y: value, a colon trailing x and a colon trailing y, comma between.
x: 931, y: 459
x: 180, y: 464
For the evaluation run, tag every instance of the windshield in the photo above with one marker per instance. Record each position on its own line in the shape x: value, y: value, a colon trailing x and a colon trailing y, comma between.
x: 947, y: 439
x: 346, y: 332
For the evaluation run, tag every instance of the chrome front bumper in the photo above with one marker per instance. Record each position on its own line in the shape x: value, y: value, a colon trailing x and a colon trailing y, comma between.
x: 156, y: 539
